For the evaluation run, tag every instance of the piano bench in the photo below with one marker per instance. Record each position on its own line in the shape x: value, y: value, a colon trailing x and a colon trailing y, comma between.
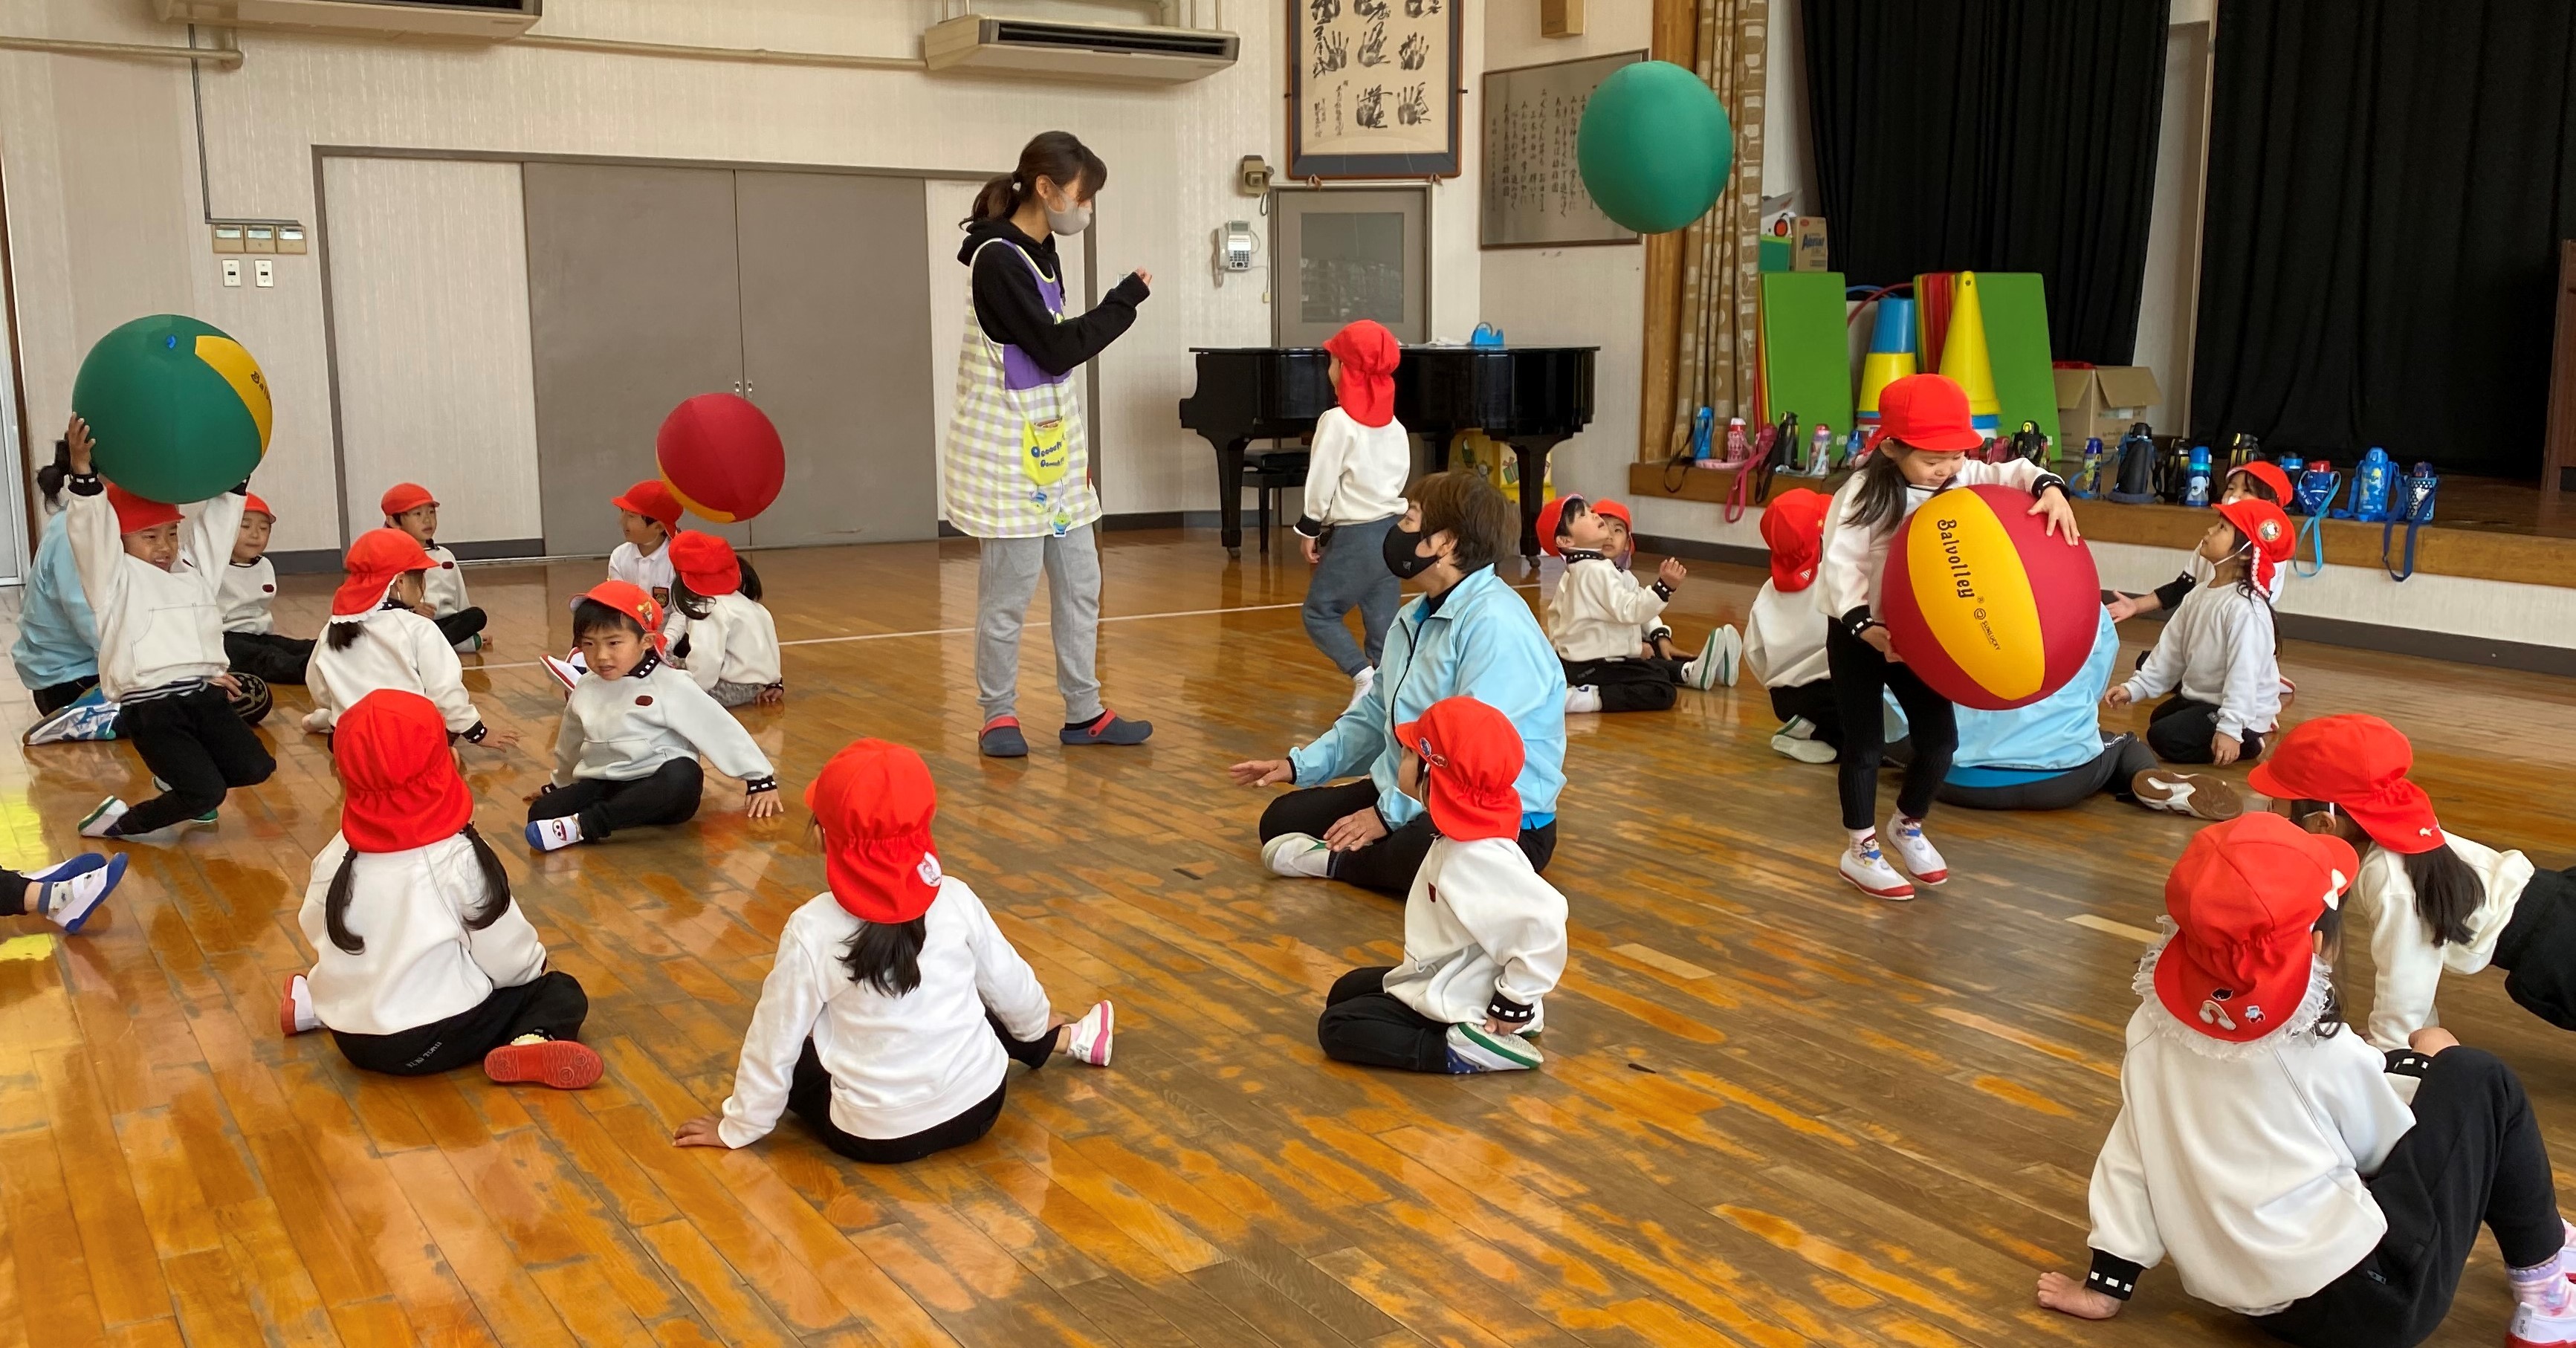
x: 1269, y: 474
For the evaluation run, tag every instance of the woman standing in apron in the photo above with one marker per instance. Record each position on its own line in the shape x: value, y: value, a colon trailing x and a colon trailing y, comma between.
x: 1018, y: 474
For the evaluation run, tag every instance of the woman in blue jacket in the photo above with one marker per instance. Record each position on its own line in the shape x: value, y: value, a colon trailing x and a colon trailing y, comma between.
x: 1467, y: 634
x: 57, y: 649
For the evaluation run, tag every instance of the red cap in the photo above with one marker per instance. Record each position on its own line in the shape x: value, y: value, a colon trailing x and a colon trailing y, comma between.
x: 399, y: 787
x: 1368, y: 353
x: 134, y: 514
x: 652, y: 499
x: 2262, y: 524
x: 1617, y: 510
x: 374, y: 560
x: 706, y: 563
x: 2245, y: 896
x: 403, y: 496
x: 1471, y: 765
x: 1794, y: 527
x: 1928, y: 411
x: 254, y: 503
x: 1551, y: 514
x: 2267, y: 473
x: 874, y: 803
x: 631, y: 599
x: 2358, y: 764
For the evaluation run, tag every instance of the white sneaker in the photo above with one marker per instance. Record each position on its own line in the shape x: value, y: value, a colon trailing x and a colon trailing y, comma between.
x: 1869, y: 872
x: 2533, y: 1327
x: 1362, y: 682
x: 69, y: 893
x: 1718, y: 661
x: 547, y: 835
x: 1471, y: 1049
x: 1922, y: 860
x: 2198, y: 794
x: 79, y: 721
x: 1087, y: 1040
x: 1796, y: 738
x: 101, y: 822
x: 1299, y: 856
x: 1582, y: 699
x: 295, y: 1008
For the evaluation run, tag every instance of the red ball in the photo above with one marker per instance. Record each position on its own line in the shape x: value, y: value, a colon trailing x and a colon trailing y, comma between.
x: 721, y: 456
x: 1983, y: 604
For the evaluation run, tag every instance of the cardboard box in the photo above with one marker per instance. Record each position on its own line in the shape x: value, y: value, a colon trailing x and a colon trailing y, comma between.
x: 1778, y: 251
x: 2103, y: 401
x: 1807, y: 244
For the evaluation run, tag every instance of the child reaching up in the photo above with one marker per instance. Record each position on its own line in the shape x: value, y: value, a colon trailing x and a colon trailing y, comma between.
x: 377, y: 638
x: 627, y: 755
x: 1605, y: 626
x: 423, y: 964
x: 1784, y: 633
x: 2220, y: 652
x: 57, y: 647
x: 731, y: 649
x: 2277, y: 1160
x: 649, y: 515
x: 891, y: 1016
x: 1354, y: 494
x: 408, y: 506
x: 249, y: 587
x: 1484, y: 936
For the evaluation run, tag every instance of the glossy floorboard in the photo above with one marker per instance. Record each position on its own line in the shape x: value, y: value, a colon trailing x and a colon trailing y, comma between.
x: 1774, y: 1112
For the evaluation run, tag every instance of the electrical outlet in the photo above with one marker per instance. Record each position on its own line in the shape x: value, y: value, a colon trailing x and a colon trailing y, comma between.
x: 232, y: 272
x: 265, y: 271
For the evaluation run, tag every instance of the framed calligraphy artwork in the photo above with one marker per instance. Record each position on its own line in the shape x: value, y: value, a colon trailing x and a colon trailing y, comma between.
x: 1373, y: 88
x: 1533, y: 191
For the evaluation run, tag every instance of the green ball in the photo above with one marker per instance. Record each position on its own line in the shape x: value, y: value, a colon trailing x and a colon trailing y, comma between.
x: 1654, y: 147
x: 179, y: 411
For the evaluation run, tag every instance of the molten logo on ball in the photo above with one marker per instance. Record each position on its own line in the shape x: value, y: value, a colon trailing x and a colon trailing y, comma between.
x: 1983, y: 604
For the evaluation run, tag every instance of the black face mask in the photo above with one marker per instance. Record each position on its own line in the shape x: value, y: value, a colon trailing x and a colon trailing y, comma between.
x: 1400, y: 555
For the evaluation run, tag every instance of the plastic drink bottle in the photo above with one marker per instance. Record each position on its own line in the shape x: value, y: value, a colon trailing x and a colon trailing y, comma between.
x: 2195, y: 487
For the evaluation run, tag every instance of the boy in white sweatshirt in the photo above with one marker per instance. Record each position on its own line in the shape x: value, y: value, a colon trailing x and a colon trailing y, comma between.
x: 423, y: 964
x: 2219, y: 652
x: 1354, y: 494
x: 161, y: 647
x: 1784, y: 633
x: 648, y: 514
x: 2276, y: 1157
x: 891, y: 1016
x: 408, y: 506
x: 249, y: 586
x: 731, y: 646
x: 1607, y: 629
x: 1484, y: 936
x: 377, y: 638
x: 627, y: 754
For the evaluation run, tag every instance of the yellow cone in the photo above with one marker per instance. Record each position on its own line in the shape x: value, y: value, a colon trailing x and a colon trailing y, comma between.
x: 1963, y: 354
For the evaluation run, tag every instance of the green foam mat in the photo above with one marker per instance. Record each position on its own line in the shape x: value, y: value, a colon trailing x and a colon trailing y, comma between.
x: 1806, y: 353
x: 2016, y: 310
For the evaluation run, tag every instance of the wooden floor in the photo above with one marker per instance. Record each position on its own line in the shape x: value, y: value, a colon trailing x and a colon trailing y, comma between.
x: 1773, y: 1112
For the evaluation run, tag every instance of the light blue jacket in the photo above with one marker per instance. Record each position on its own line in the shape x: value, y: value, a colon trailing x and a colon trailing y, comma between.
x: 57, y: 637
x: 1485, y: 643
x: 2060, y: 731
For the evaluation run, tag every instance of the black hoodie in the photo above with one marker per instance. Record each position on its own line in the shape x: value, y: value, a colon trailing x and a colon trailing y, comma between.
x: 1012, y: 312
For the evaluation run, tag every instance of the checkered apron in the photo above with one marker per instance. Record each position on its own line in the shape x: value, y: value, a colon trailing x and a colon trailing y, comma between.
x: 1019, y: 454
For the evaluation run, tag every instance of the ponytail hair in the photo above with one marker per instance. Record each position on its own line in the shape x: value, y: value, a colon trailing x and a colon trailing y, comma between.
x: 2329, y: 929
x: 335, y: 905
x: 1057, y: 156
x: 750, y: 587
x: 496, y: 892
x: 1879, y: 502
x: 691, y: 604
x: 50, y: 478
x: 886, y: 955
x: 2446, y: 892
x: 340, y: 636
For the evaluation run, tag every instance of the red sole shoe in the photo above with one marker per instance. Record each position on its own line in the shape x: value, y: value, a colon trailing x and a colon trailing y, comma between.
x: 286, y: 1007
x: 560, y: 1063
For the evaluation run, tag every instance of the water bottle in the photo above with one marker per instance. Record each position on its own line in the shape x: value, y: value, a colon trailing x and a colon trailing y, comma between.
x: 2291, y: 466
x: 1738, y: 448
x: 2371, y: 480
x: 1701, y: 449
x: 2088, y: 478
x: 2135, y: 483
x: 1820, y: 448
x: 2317, y: 487
x: 1854, y: 447
x: 2418, y: 498
x: 2195, y: 483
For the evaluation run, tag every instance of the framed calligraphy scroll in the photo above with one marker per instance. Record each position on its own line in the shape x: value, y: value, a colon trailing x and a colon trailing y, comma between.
x: 1533, y: 192
x: 1373, y: 88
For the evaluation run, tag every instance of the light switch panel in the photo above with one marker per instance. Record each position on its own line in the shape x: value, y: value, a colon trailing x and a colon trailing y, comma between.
x: 232, y: 272
x: 266, y: 272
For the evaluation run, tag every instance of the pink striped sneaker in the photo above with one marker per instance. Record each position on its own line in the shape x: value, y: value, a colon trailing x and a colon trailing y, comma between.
x: 1087, y: 1040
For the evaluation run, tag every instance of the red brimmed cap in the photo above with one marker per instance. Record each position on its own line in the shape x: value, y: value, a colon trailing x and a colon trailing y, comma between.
x: 2269, y: 474
x: 631, y: 599
x: 2358, y: 764
x: 399, y: 787
x: 652, y: 499
x: 874, y: 802
x: 1551, y: 518
x: 1617, y: 510
x: 706, y: 563
x: 1793, y: 525
x: 1368, y: 353
x: 254, y: 503
x: 2268, y: 533
x: 2245, y: 897
x: 1928, y: 411
x: 1471, y: 764
x: 375, y: 559
x: 134, y: 514
x: 403, y: 496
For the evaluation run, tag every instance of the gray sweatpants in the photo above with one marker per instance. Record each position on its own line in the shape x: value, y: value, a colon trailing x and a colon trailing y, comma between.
x: 1353, y: 575
x: 1009, y: 579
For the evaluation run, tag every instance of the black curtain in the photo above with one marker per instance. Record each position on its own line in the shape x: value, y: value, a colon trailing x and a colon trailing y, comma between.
x: 2388, y: 182
x: 1994, y: 135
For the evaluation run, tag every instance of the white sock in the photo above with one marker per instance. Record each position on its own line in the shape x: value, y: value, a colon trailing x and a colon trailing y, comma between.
x: 2542, y: 1285
x: 1863, y: 837
x: 1583, y: 698
x: 1690, y: 670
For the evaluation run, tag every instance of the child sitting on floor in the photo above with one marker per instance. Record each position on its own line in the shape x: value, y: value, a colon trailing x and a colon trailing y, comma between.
x: 408, y: 506
x: 2276, y: 1158
x: 1484, y: 936
x: 1784, y: 631
x: 2258, y: 481
x: 1354, y: 495
x: 1604, y: 626
x: 56, y: 652
x: 627, y: 755
x: 2220, y: 652
x: 890, y: 1018
x: 649, y: 515
x: 249, y: 586
x: 423, y: 964
x: 377, y: 638
x: 2430, y: 900
x: 731, y: 649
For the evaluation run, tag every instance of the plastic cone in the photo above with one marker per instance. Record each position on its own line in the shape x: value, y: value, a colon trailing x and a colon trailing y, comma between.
x: 1891, y: 354
x: 1963, y: 354
x: 1931, y: 318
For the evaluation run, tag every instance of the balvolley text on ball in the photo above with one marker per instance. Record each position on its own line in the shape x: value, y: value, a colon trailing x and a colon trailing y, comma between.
x: 178, y: 410
x: 721, y: 456
x: 1654, y: 147
x: 1983, y: 604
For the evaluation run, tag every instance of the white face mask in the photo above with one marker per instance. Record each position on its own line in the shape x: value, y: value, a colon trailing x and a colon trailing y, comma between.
x: 1069, y: 221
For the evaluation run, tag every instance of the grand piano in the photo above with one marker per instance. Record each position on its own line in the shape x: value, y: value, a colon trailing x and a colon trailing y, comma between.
x: 1531, y: 398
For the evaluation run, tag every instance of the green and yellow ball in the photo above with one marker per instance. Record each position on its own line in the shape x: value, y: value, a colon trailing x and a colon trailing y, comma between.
x: 179, y: 410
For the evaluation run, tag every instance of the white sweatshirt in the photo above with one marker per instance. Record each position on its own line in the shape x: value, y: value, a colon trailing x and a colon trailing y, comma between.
x: 396, y: 648
x: 1357, y: 473
x: 2245, y: 1162
x: 421, y: 963
x: 1851, y: 573
x: 2401, y: 947
x: 1479, y: 921
x: 1784, y: 638
x: 898, y: 1064
x: 2217, y: 648
x: 155, y: 628
x: 245, y: 593
x: 443, y: 585
x: 619, y: 730
x: 1600, y: 612
x: 649, y: 570
x: 737, y: 642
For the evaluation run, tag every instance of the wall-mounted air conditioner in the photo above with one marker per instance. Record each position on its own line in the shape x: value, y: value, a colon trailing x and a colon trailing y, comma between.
x: 978, y: 44
x: 490, y: 20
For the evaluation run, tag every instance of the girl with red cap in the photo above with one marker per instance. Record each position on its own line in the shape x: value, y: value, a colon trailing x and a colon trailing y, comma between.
x: 627, y: 753
x: 648, y: 514
x: 249, y: 586
x: 1922, y: 449
x: 2219, y: 654
x: 377, y: 638
x: 1484, y: 936
x: 423, y: 964
x: 2431, y: 900
x: 1784, y: 632
x: 1607, y: 629
x: 161, y: 647
x: 2277, y: 1160
x: 891, y: 1016
x: 2260, y: 481
x: 408, y: 506
x: 1354, y: 494
x: 731, y: 649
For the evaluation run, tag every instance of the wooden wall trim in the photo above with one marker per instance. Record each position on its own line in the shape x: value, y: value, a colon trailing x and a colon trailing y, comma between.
x: 1675, y: 38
